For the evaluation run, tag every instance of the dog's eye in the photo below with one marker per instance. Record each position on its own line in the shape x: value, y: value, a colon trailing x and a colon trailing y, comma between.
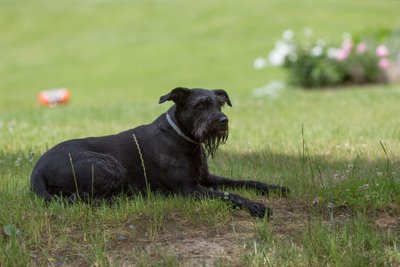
x: 202, y: 105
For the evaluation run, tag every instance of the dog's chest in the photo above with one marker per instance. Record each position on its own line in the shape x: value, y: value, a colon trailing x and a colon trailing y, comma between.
x: 191, y: 166
x: 202, y: 167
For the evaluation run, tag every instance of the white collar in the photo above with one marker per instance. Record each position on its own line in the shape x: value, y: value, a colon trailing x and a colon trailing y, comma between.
x: 176, y: 128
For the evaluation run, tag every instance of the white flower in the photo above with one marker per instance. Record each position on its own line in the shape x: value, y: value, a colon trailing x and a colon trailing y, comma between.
x: 277, y: 56
x: 276, y: 59
x: 316, y: 51
x: 288, y: 35
x: 260, y: 63
x: 332, y: 52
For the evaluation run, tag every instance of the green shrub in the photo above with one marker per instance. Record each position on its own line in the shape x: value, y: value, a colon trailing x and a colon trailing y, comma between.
x: 315, y: 64
x: 309, y: 71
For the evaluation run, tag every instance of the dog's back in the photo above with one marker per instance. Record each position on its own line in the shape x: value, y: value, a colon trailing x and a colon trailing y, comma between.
x: 79, y: 167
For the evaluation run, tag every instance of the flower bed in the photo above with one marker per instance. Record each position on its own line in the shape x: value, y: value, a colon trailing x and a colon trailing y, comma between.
x: 370, y: 57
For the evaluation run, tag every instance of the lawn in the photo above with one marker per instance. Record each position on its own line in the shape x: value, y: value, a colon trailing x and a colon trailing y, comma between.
x: 337, y: 149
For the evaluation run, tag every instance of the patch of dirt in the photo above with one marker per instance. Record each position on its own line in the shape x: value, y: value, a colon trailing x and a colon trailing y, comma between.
x: 203, y: 251
x: 289, y: 216
x: 202, y: 248
x: 193, y: 244
x: 385, y: 220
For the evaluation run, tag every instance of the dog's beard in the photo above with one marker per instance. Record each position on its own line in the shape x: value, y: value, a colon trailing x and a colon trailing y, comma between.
x: 211, y: 145
x: 210, y: 138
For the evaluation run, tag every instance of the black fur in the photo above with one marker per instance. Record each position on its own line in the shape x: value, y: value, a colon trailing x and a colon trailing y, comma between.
x: 102, y: 167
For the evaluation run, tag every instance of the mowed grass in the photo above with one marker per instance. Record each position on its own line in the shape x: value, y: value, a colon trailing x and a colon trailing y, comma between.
x: 337, y: 149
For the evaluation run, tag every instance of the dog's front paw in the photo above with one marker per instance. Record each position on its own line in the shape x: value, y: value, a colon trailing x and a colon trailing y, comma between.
x: 259, y: 210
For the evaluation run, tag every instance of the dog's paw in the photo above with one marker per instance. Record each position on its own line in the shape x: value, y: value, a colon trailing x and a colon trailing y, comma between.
x: 259, y: 210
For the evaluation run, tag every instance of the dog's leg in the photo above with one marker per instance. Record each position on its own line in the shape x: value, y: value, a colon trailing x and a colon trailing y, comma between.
x: 255, y: 209
x: 215, y: 181
x: 89, y: 177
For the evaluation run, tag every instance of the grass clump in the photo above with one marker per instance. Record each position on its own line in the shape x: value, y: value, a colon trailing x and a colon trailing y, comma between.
x: 352, y: 243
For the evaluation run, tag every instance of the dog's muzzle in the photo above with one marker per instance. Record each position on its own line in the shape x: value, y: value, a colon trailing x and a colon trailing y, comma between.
x: 220, y: 126
x: 223, y: 120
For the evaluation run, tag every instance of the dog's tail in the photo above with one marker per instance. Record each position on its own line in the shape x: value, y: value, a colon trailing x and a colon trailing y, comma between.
x: 38, y: 185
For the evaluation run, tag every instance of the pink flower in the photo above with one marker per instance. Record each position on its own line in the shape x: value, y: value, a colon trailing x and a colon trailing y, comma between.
x: 342, y: 54
x: 384, y: 63
x: 382, y: 51
x: 361, y: 48
x: 347, y: 45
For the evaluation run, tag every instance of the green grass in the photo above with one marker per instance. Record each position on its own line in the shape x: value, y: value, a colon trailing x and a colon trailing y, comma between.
x: 337, y: 149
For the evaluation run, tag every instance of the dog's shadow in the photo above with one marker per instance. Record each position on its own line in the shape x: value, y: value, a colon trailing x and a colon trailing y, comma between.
x: 300, y: 173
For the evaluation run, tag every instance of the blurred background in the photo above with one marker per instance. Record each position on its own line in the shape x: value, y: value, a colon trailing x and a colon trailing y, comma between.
x: 115, y: 52
x: 118, y: 57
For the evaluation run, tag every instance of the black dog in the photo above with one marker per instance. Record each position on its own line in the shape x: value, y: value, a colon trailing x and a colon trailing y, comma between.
x: 167, y: 156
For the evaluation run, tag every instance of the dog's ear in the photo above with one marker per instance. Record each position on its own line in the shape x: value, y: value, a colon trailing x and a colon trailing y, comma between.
x: 224, y: 95
x: 178, y: 95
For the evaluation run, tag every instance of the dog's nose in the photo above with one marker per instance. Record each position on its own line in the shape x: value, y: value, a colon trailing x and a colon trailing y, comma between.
x: 223, y: 120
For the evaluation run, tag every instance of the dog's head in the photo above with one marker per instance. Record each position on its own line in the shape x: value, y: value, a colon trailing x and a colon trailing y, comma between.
x: 198, y: 113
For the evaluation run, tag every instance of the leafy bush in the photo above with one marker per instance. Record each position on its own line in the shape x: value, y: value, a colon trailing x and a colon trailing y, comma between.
x: 359, y: 60
x: 313, y: 71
